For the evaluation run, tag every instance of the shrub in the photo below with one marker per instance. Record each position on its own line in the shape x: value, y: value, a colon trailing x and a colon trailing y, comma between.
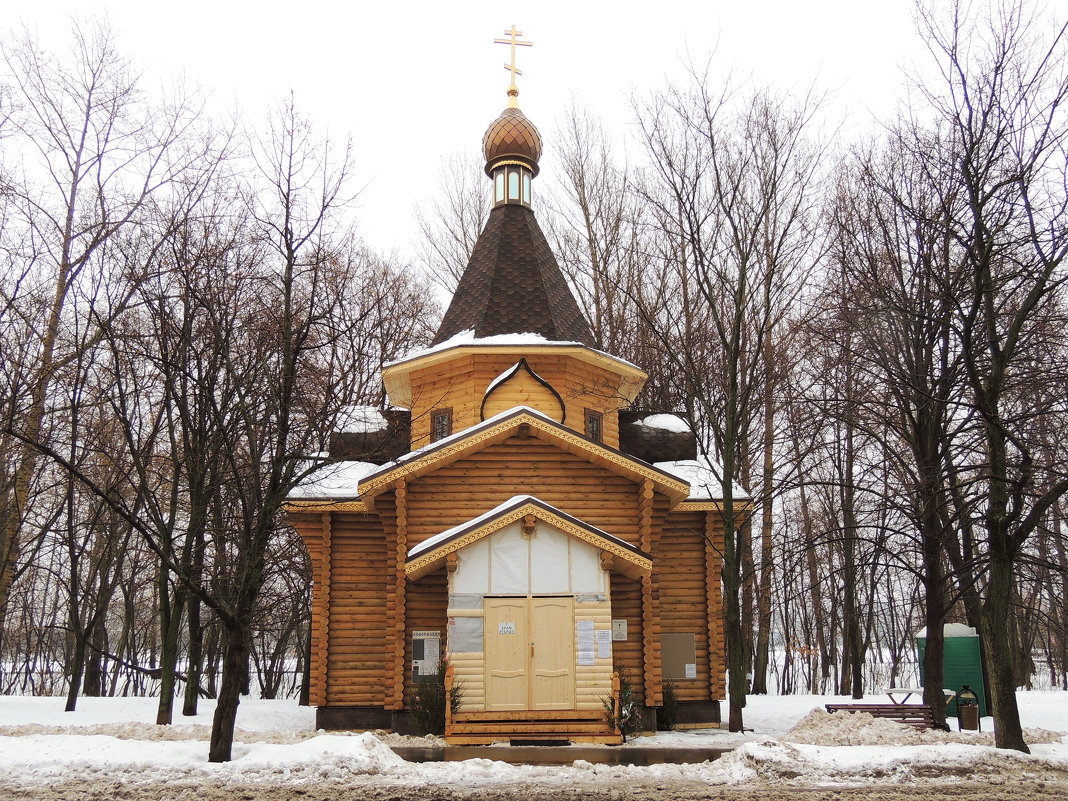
x: 426, y: 701
x: 629, y: 720
x: 667, y: 717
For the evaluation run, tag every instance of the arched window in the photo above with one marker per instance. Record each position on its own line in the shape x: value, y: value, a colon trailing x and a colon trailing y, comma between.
x: 526, y: 188
x: 513, y: 185
x: 499, y: 195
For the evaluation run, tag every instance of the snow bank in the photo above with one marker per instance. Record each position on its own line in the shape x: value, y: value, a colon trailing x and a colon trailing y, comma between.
x: 794, y: 745
x: 820, y: 727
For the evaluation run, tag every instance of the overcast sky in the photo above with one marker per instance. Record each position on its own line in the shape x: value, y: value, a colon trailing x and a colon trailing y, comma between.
x: 413, y: 82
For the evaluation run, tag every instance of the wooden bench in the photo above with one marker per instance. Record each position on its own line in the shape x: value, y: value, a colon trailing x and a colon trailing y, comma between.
x: 918, y: 715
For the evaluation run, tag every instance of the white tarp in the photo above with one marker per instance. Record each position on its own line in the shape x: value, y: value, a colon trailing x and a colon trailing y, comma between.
x: 509, y: 563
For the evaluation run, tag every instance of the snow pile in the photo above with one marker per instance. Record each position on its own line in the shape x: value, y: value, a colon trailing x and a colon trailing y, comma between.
x: 776, y: 762
x: 327, y: 755
x: 820, y: 727
x: 111, y: 744
x: 153, y: 732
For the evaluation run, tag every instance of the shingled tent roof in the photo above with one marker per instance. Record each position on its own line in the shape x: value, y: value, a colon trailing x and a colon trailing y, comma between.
x: 513, y: 285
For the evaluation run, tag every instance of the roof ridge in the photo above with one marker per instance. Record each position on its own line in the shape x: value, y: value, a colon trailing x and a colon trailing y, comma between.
x: 497, y: 294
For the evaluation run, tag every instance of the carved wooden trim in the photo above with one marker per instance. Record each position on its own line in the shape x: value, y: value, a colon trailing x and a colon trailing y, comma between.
x: 553, y: 432
x: 713, y: 506
x: 426, y: 562
x: 325, y: 506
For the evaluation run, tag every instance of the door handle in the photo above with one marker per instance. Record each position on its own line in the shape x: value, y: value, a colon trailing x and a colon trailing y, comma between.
x: 532, y: 650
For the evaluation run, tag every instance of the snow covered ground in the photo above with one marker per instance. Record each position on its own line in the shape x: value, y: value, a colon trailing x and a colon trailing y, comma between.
x: 114, y: 741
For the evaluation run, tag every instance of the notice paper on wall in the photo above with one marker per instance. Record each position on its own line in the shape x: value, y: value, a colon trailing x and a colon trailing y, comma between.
x: 604, y: 643
x: 584, y: 632
x: 691, y: 670
x: 426, y: 653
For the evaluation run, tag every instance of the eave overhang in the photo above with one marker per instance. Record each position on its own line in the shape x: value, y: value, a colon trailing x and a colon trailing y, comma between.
x: 431, y: 555
x: 397, y: 376
x: 525, y: 422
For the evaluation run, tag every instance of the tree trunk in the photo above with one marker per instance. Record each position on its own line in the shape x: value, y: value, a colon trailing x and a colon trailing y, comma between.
x: 77, y: 667
x: 195, y: 653
x: 1008, y: 732
x: 763, y: 643
x: 234, y: 675
x: 305, y: 673
x: 93, y: 683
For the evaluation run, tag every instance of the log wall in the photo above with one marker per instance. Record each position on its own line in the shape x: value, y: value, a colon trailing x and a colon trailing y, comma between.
x: 628, y: 654
x: 455, y: 493
x: 461, y: 384
x: 684, y: 595
x: 363, y: 613
x: 357, y: 639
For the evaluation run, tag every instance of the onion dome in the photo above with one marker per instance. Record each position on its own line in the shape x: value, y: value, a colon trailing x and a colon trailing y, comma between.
x: 512, y: 139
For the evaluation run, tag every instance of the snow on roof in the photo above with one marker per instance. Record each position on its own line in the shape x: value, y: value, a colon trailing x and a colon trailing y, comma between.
x: 437, y: 539
x: 665, y: 422
x: 361, y: 420
x: 952, y: 630
x: 332, y: 481
x: 468, y: 338
x: 517, y: 340
x: 458, y: 435
x: 704, y: 477
x: 512, y: 503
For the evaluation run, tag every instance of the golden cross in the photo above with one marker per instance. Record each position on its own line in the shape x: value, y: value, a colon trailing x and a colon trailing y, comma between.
x: 513, y: 41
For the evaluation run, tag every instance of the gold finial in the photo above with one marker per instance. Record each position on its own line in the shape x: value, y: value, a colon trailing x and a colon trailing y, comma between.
x: 513, y: 91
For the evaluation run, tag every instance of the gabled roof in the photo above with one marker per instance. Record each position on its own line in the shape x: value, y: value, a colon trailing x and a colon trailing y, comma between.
x: 513, y: 285
x: 430, y: 554
x: 521, y: 420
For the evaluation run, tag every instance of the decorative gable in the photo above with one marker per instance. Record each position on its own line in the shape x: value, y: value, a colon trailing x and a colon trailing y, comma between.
x: 525, y: 546
x: 521, y: 386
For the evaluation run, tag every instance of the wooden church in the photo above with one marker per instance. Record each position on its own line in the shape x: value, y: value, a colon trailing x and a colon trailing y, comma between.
x: 511, y: 514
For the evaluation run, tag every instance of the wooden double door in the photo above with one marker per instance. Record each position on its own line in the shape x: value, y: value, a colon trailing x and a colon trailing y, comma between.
x: 530, y: 653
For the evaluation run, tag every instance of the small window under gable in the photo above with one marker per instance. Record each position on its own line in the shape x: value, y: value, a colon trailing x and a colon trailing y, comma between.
x: 440, y: 424
x: 594, y: 427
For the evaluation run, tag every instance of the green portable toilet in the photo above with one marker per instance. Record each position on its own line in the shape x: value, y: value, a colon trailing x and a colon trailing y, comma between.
x: 961, y: 663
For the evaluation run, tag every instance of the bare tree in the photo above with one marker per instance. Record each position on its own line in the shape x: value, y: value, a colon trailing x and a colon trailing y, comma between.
x: 454, y: 219
x: 1001, y: 110
x: 897, y: 279
x: 97, y: 155
x: 733, y: 188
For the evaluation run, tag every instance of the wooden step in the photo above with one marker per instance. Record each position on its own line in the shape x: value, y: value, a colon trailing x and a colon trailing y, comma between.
x: 525, y: 715
x: 484, y: 730
x: 529, y: 727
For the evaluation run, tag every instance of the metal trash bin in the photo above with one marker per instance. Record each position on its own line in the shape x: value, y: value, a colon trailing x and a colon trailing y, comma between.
x: 967, y: 709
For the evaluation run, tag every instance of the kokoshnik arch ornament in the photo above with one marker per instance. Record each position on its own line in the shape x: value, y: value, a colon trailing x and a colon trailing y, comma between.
x: 543, y: 561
